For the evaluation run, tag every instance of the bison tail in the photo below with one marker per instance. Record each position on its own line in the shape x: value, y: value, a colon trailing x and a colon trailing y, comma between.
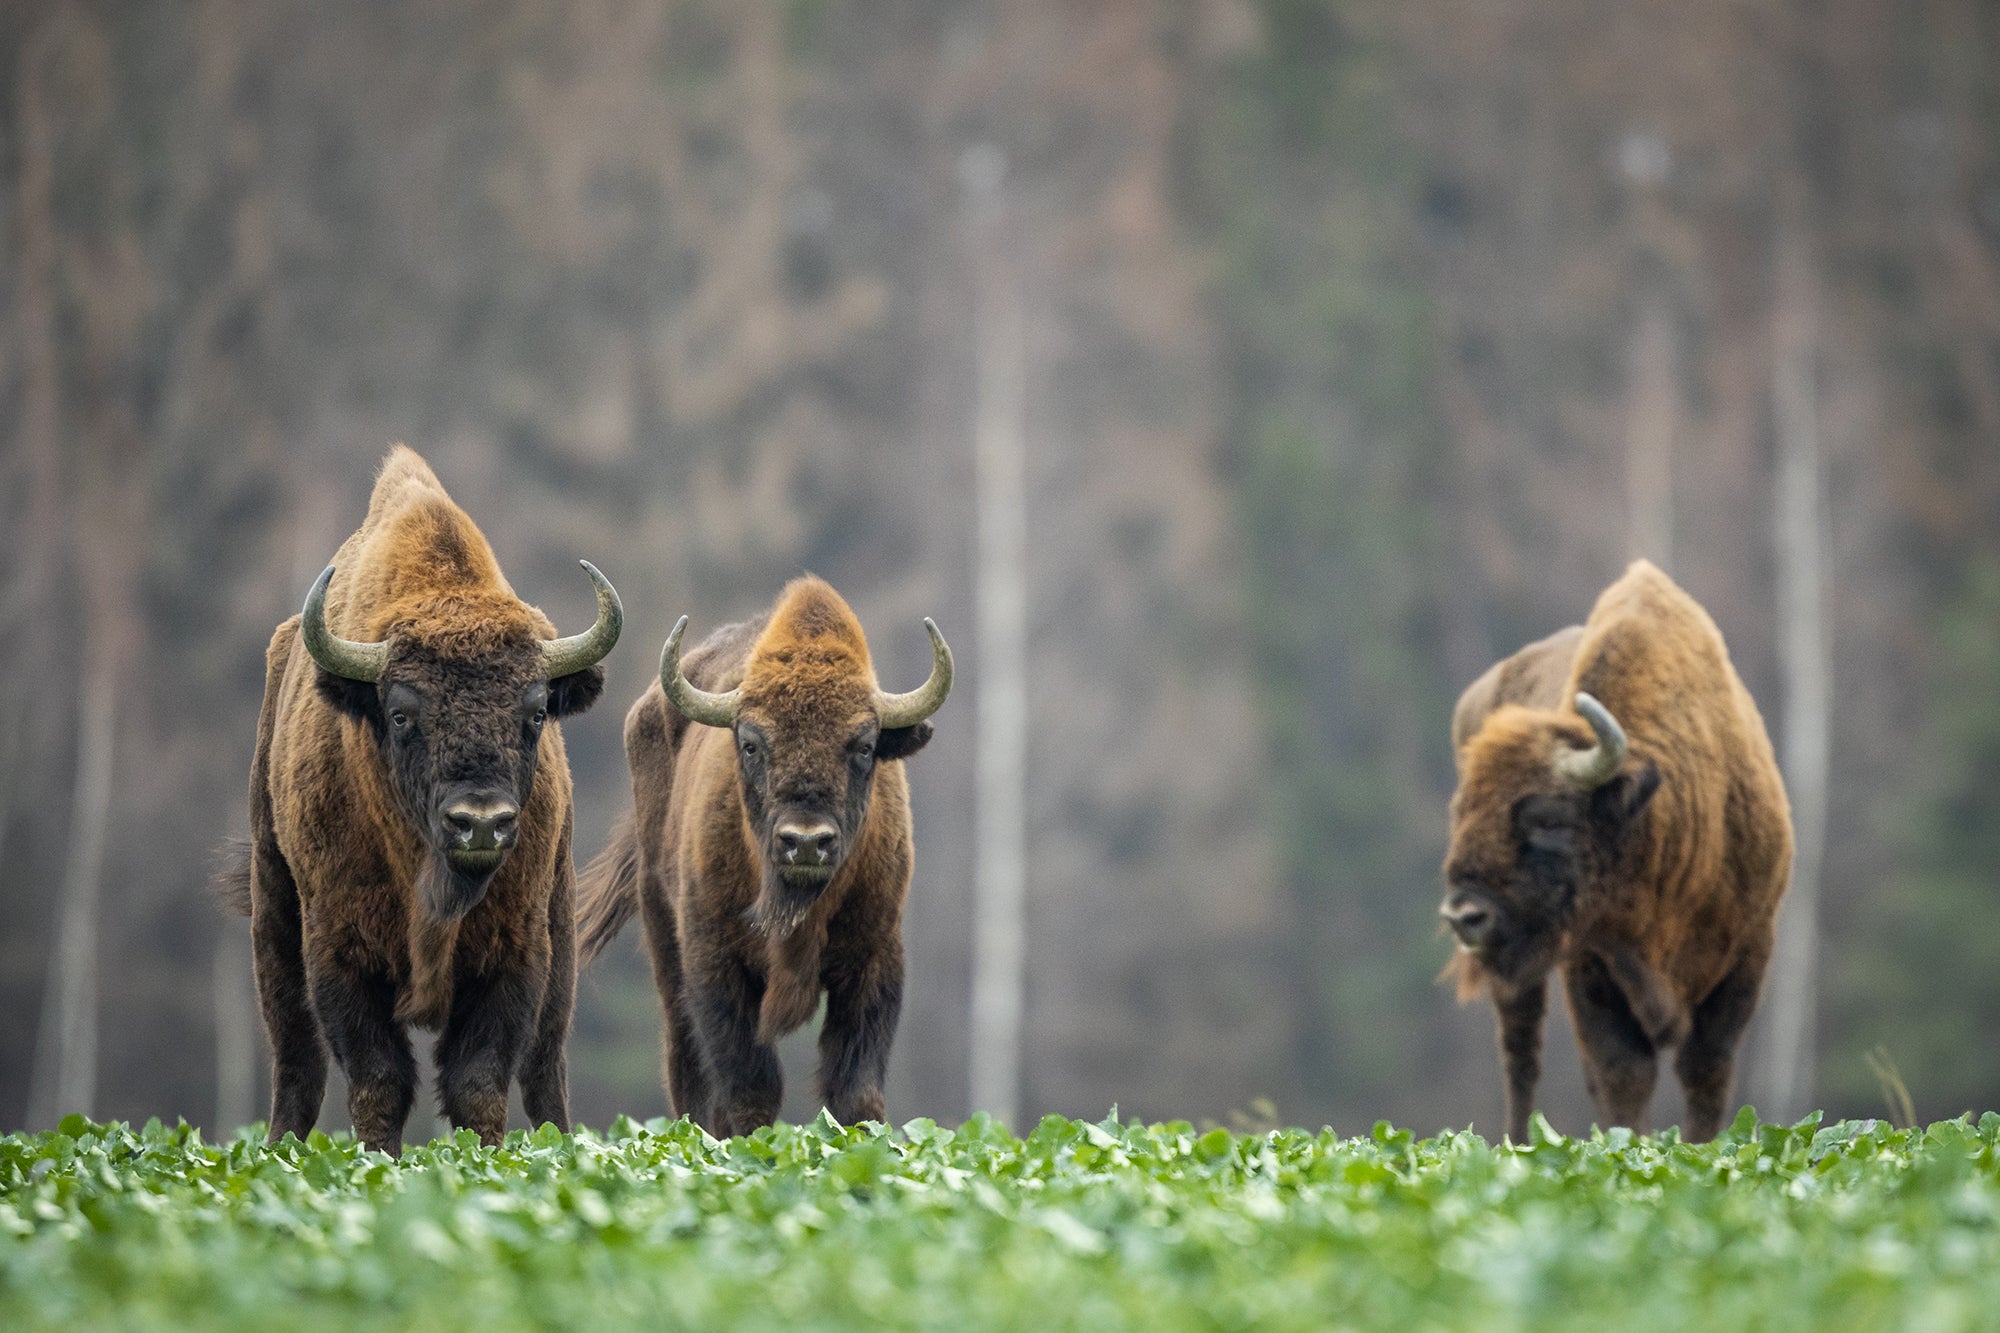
x: 607, y: 893
x: 231, y: 884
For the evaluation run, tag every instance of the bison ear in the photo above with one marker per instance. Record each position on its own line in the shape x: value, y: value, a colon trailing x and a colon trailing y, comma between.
x: 572, y: 694
x: 353, y: 698
x: 1623, y: 799
x: 902, y: 742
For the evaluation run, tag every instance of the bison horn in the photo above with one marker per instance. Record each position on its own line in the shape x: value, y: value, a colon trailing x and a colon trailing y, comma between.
x: 1599, y: 764
x: 561, y: 657
x: 335, y: 655
x: 697, y: 705
x: 906, y: 710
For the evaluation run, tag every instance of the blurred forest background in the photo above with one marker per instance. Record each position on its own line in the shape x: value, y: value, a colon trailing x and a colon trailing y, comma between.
x: 1347, y: 347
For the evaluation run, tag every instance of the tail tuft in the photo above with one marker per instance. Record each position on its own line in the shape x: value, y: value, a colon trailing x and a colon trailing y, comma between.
x: 607, y: 892
x: 231, y: 884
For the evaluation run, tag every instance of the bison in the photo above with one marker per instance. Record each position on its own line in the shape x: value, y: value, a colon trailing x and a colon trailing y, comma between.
x: 1639, y: 843
x: 769, y: 855
x: 409, y: 856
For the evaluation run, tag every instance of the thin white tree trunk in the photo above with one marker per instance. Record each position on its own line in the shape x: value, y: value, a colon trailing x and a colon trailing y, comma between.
x: 1806, y: 656
x: 999, y: 928
x: 1653, y: 396
x: 65, y: 1078
x: 9, y: 749
x: 235, y: 1037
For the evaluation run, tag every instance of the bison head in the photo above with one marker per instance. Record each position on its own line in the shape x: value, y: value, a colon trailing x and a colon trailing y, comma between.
x: 457, y: 697
x: 811, y: 727
x: 1543, y: 808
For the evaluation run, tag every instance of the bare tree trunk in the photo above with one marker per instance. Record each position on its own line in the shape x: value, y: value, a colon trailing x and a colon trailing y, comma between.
x: 999, y: 930
x: 1807, y: 658
x: 235, y: 1036
x: 41, y: 404
x: 10, y: 738
x: 65, y: 1077
x: 63, y: 1072
x: 40, y: 543
x: 1653, y: 395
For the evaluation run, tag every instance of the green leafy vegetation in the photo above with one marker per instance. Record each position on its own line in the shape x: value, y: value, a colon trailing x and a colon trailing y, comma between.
x: 1103, y: 1225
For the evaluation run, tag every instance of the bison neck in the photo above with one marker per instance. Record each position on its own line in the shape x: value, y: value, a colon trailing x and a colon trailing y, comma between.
x: 791, y: 977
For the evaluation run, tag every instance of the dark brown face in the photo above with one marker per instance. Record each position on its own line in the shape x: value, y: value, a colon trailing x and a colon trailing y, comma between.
x: 807, y: 781
x: 1516, y: 879
x: 460, y: 741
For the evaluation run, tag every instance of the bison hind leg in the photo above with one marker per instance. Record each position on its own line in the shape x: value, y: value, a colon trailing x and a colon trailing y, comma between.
x: 1706, y: 1063
x: 680, y: 1059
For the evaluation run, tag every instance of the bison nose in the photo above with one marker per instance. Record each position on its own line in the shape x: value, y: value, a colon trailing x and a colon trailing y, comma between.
x: 477, y: 826
x: 1469, y: 918
x: 808, y: 844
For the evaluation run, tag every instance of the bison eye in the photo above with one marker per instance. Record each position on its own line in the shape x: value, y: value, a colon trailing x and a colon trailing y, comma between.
x: 541, y: 716
x: 399, y: 719
x: 865, y: 750
x: 749, y: 749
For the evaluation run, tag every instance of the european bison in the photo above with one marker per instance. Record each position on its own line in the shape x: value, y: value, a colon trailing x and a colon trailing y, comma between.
x: 769, y: 854
x: 1641, y: 844
x: 409, y: 857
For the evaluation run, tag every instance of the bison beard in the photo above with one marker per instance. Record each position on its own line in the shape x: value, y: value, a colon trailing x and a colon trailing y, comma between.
x: 782, y: 904
x: 448, y: 893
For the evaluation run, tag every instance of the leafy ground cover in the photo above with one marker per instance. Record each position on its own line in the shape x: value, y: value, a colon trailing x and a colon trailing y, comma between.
x: 1079, y: 1225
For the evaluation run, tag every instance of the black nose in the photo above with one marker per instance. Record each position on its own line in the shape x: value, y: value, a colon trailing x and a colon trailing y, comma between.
x: 482, y: 826
x: 807, y: 842
x: 1469, y: 918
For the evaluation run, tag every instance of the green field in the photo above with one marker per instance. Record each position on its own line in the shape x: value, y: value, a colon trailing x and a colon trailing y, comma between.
x: 1855, y: 1225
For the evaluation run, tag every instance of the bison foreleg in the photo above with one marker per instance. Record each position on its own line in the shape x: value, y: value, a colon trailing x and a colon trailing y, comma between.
x: 1707, y: 1059
x: 862, y: 1006
x: 1518, y: 1020
x: 357, y: 1012
x: 746, y: 1083
x: 545, y: 1069
x: 1619, y: 1062
x: 492, y: 1020
x: 1648, y: 994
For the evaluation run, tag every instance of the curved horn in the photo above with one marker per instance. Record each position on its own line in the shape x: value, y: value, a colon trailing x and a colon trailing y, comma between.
x: 341, y: 657
x: 697, y: 705
x: 1599, y: 764
x: 906, y: 710
x: 560, y: 657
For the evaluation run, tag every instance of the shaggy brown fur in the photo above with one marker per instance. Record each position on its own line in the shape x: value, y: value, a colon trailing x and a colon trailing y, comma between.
x: 1656, y: 893
x: 740, y: 951
x: 360, y: 924
x: 1533, y: 677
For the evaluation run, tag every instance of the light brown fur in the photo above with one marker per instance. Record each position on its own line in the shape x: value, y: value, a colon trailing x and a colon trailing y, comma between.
x: 1676, y: 920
